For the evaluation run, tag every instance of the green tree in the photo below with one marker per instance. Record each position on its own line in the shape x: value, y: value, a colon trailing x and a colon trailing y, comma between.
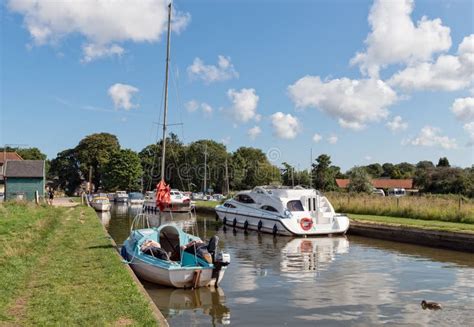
x: 123, y: 171
x: 65, y: 171
x: 407, y: 170
x: 324, y: 175
x: 375, y: 170
x: 359, y: 181
x: 443, y: 162
x: 288, y: 175
x: 95, y: 151
x: 250, y: 167
x: 425, y: 164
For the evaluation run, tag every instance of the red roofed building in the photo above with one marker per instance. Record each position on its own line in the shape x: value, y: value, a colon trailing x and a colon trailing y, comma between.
x: 383, y: 183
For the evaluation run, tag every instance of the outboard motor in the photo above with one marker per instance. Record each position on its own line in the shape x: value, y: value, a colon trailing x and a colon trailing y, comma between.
x: 220, y: 259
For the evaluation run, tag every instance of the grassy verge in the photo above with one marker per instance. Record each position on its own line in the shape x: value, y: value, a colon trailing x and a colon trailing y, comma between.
x: 58, y: 268
x: 207, y: 204
x: 442, y: 208
x: 418, y: 223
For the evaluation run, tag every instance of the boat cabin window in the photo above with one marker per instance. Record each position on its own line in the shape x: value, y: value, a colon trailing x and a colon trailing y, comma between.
x: 244, y: 198
x: 229, y: 205
x: 294, y: 205
x: 269, y: 208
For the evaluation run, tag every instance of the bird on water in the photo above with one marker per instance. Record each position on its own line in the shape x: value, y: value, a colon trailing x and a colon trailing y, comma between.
x: 430, y: 305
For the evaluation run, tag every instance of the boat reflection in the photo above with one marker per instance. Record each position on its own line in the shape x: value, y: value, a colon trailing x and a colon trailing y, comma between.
x: 206, y: 300
x: 311, y: 254
x: 104, y: 217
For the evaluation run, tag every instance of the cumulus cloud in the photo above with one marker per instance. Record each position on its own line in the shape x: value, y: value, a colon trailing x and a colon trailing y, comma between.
x: 244, y: 105
x: 102, y: 23
x: 469, y: 129
x: 206, y: 109
x: 317, y: 138
x: 333, y: 139
x: 224, y: 70
x: 121, y: 95
x: 395, y: 38
x: 285, y: 126
x: 447, y: 73
x: 254, y: 132
x: 192, y: 105
x: 463, y: 109
x: 354, y: 103
x: 397, y: 124
x: 430, y: 136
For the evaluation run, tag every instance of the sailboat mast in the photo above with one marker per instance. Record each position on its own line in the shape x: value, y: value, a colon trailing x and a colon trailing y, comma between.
x: 163, y: 149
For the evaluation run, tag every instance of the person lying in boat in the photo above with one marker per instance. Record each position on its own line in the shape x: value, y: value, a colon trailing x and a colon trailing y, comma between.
x: 154, y: 249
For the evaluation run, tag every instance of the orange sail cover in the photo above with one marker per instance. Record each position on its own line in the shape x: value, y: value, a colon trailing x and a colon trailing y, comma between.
x: 163, y: 197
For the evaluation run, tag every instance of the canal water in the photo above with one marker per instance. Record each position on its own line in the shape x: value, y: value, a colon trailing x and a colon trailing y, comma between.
x: 326, y: 281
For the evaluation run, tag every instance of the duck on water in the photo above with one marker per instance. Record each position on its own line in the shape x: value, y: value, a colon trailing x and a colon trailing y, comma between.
x: 290, y: 211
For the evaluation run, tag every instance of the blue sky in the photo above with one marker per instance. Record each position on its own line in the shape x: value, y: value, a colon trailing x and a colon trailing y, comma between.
x: 283, y: 76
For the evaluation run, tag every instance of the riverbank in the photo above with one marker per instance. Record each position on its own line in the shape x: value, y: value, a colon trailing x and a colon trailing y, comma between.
x: 60, y: 268
x: 449, y: 235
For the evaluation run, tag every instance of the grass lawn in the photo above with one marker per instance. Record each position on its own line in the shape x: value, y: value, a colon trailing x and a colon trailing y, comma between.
x: 59, y: 268
x: 207, y: 204
x: 408, y: 222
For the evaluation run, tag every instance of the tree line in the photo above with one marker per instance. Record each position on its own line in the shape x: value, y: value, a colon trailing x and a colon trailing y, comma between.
x: 114, y: 168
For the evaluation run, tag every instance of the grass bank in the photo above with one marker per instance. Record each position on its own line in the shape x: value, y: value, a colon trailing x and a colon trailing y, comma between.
x: 441, y: 208
x: 59, y: 268
x: 416, y: 223
x: 206, y: 204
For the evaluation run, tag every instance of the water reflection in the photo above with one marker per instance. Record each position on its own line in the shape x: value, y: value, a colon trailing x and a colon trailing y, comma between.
x: 208, y: 301
x: 334, y: 281
x: 104, y: 217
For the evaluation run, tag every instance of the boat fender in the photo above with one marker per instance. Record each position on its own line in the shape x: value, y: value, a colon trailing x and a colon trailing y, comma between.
x: 275, y: 230
x: 259, y: 226
x: 234, y: 223
x: 225, y: 221
x: 246, y: 225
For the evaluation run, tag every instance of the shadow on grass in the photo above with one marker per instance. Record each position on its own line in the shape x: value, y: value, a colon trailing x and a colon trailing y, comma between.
x: 108, y: 246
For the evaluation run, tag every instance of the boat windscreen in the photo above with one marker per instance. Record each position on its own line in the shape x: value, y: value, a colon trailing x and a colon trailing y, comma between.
x: 295, y: 205
x: 169, y: 239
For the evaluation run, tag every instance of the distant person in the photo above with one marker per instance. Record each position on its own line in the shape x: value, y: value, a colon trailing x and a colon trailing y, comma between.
x: 50, y: 196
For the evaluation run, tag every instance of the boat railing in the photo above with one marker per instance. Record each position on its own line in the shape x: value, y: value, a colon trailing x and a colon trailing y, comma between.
x: 141, y: 220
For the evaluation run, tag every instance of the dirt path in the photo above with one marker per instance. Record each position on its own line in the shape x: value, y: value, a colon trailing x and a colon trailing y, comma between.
x: 64, y: 202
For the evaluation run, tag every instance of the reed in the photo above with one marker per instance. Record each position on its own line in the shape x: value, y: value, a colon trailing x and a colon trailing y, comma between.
x: 450, y: 208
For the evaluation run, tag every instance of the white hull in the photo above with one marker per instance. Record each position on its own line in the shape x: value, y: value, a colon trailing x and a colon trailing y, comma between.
x: 101, y: 206
x: 179, y: 278
x: 150, y: 205
x: 136, y: 201
x: 282, y: 226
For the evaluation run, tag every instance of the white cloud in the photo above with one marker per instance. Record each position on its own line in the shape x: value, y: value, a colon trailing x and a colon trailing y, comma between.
x: 244, y: 105
x: 317, y: 138
x: 447, y: 73
x: 285, y: 126
x: 395, y: 38
x: 397, y: 124
x: 121, y: 95
x: 469, y: 129
x: 224, y: 70
x: 192, y: 105
x: 332, y: 139
x: 430, y: 136
x: 368, y: 158
x: 254, y: 132
x: 463, y: 109
x: 206, y: 109
x: 101, y: 22
x: 353, y: 102
x: 226, y: 140
x: 95, y: 51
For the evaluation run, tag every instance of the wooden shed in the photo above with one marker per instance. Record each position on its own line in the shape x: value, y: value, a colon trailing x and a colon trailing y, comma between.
x: 23, y: 178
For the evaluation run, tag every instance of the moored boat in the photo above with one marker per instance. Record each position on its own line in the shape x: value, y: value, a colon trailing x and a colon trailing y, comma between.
x: 282, y: 211
x: 100, y: 203
x: 179, y: 202
x: 135, y: 198
x: 175, y: 258
x: 121, y: 197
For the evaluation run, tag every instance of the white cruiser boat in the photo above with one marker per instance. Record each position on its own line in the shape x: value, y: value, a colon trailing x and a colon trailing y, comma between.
x: 121, y: 197
x: 179, y: 202
x: 283, y: 211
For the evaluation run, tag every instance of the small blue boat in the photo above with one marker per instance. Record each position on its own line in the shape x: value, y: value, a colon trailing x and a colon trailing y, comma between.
x: 168, y: 256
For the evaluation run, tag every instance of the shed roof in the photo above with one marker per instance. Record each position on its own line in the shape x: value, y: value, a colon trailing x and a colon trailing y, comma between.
x: 24, y: 168
x: 381, y: 183
x: 4, y: 156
